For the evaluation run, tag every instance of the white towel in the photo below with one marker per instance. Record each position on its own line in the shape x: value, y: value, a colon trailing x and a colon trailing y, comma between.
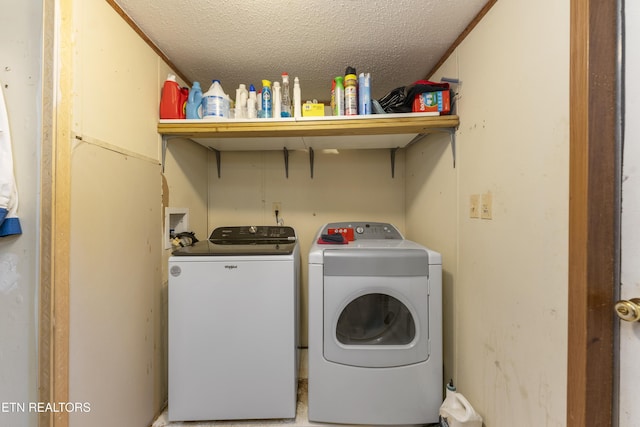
x: 9, y: 222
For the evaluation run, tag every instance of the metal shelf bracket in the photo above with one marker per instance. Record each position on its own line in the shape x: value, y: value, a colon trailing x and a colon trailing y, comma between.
x: 218, y: 155
x: 392, y: 151
x: 165, y: 142
x: 311, y: 160
x: 452, y: 140
x: 285, y: 152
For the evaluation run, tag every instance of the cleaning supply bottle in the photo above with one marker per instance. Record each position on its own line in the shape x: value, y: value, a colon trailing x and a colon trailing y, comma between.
x: 338, y: 107
x: 194, y: 102
x: 297, y: 98
x: 241, y: 102
x: 214, y: 102
x: 267, y: 102
x: 286, y: 98
x: 456, y: 411
x: 350, y: 92
x: 277, y: 100
x: 252, y: 113
x: 227, y: 106
x: 184, y: 95
x: 332, y: 102
x: 364, y: 93
x: 170, y: 99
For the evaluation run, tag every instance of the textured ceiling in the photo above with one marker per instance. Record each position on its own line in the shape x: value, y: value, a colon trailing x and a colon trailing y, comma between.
x: 246, y: 41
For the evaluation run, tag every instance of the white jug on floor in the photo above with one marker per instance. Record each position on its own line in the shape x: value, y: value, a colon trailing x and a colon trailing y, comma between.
x: 456, y: 411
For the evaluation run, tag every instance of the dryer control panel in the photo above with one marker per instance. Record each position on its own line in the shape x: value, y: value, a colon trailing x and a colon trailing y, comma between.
x: 365, y: 230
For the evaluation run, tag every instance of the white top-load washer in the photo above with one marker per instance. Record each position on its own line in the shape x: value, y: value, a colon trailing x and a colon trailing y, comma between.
x: 233, y: 325
x: 375, y: 327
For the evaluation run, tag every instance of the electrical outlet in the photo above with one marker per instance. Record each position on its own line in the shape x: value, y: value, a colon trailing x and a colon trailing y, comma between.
x: 486, y: 206
x: 474, y: 206
x: 276, y: 206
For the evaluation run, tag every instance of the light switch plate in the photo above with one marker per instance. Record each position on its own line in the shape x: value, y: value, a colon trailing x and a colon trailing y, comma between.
x: 474, y: 206
x: 486, y: 206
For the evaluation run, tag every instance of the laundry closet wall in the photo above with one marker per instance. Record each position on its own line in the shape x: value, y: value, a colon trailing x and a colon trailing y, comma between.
x: 117, y: 331
x: 506, y: 279
x: 348, y: 185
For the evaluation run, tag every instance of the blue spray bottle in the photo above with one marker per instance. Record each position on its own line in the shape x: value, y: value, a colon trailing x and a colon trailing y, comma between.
x: 267, y: 102
x: 194, y: 102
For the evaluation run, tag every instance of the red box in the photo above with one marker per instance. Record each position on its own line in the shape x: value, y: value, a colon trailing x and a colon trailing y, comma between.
x: 346, y: 232
x: 432, y: 102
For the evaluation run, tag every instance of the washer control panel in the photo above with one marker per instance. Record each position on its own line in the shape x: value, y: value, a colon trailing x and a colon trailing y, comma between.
x: 264, y: 233
x: 366, y: 230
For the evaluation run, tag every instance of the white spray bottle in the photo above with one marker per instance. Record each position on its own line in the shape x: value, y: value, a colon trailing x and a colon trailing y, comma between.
x: 297, y: 99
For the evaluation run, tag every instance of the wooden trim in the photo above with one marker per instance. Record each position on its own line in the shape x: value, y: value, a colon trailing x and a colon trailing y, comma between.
x: 462, y: 36
x: 45, y: 330
x: 371, y: 125
x: 147, y: 40
x: 55, y: 203
x: 592, y: 212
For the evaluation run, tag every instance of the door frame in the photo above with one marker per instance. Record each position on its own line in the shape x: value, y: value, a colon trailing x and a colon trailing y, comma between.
x: 594, y: 173
x: 593, y: 203
x: 55, y: 221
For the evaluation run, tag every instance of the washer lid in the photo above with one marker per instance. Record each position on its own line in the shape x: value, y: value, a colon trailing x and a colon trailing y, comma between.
x: 208, y: 248
x: 244, y: 241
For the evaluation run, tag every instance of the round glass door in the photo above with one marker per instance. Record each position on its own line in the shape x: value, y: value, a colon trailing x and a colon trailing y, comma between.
x: 375, y: 319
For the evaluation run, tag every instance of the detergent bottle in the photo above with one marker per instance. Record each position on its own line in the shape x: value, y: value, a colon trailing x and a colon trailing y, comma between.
x: 194, y: 102
x: 456, y: 411
x: 184, y: 95
x: 171, y: 99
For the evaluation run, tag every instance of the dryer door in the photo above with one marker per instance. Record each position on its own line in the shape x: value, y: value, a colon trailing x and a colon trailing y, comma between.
x: 376, y: 307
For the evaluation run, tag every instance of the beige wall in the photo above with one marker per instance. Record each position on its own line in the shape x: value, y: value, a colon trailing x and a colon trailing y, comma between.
x: 118, y: 193
x: 348, y: 185
x: 507, y: 276
x: 505, y: 279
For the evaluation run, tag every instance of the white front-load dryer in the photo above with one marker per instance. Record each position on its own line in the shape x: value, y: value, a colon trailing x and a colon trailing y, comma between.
x: 375, y: 327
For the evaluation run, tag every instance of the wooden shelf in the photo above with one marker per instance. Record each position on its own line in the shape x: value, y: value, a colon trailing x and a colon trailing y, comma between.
x: 388, y: 124
x: 391, y: 131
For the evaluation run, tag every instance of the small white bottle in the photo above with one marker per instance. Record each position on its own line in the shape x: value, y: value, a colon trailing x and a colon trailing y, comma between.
x: 297, y: 99
x: 252, y: 113
x: 241, y: 102
x: 277, y: 100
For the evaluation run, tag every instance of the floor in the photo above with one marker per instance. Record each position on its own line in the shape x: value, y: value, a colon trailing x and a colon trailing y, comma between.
x: 301, y: 420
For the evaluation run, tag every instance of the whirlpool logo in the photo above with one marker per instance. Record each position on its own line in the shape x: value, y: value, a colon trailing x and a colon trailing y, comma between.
x: 230, y: 267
